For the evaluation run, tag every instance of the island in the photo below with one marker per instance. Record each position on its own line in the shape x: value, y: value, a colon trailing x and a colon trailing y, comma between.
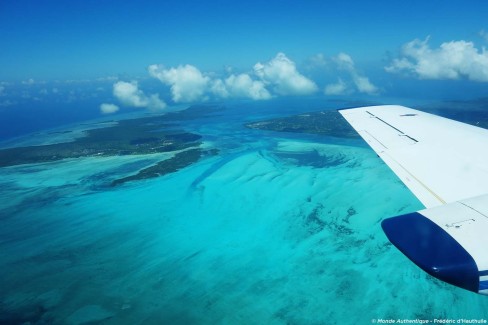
x: 331, y: 123
x: 323, y: 122
x: 166, y: 133
x: 179, y: 161
x: 139, y: 136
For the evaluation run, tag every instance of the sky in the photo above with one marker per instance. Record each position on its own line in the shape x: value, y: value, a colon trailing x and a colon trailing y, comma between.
x: 73, y: 39
x: 154, y: 54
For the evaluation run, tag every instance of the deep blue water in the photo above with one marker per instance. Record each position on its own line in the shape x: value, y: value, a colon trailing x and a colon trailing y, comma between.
x: 21, y: 119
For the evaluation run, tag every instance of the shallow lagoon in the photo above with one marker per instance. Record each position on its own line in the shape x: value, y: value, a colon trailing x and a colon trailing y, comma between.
x: 279, y: 228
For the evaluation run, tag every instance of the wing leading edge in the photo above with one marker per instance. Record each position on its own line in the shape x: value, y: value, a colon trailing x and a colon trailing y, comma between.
x: 443, y: 162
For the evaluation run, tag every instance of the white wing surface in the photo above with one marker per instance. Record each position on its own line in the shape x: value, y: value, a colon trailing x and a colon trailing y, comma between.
x: 445, y: 164
x: 440, y: 160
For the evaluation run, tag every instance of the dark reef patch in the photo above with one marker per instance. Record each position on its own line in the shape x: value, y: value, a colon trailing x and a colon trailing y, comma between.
x: 313, y: 222
x: 32, y: 314
x: 311, y: 158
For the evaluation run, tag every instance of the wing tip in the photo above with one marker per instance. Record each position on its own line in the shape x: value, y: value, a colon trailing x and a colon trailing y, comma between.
x: 432, y: 249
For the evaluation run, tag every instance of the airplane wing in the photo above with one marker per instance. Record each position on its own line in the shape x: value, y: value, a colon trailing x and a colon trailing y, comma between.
x: 445, y: 164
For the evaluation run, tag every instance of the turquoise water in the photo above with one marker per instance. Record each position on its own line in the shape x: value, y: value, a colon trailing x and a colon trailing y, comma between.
x: 277, y: 229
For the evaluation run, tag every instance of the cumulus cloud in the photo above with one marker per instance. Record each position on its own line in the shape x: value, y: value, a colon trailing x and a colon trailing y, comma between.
x: 345, y: 61
x: 28, y: 82
x: 108, y: 108
x: 362, y: 83
x: 187, y: 83
x: 6, y: 103
x: 452, y: 60
x: 240, y: 86
x: 484, y: 35
x: 339, y: 88
x: 279, y: 76
x: 128, y: 93
x: 317, y: 61
x: 243, y: 86
x: 282, y: 75
x: 219, y: 88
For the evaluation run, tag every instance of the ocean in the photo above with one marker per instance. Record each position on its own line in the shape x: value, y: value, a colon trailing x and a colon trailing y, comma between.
x: 278, y: 228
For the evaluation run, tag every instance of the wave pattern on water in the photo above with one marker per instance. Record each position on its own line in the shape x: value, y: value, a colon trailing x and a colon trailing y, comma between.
x: 274, y: 230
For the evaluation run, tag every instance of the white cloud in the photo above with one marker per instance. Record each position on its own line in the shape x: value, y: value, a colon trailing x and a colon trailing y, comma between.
x: 484, y: 35
x: 345, y: 61
x: 108, y: 78
x: 155, y: 103
x: 452, y: 60
x: 362, y: 83
x: 108, y: 108
x: 241, y: 86
x: 2, y: 89
x: 318, y: 61
x: 187, y: 83
x: 339, y: 88
x: 28, y: 82
x: 6, y: 103
x: 281, y: 73
x: 279, y: 76
x: 219, y: 88
x: 128, y: 93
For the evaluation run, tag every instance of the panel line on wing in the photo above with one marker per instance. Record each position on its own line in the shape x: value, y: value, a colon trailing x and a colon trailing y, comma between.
x: 418, y: 180
x: 484, y: 215
x: 386, y: 123
x: 406, y: 135
x: 403, y: 134
x: 375, y: 139
x: 447, y: 156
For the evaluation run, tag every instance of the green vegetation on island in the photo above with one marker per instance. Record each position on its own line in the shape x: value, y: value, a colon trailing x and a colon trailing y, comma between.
x: 179, y: 161
x: 324, y: 122
x: 140, y: 136
x: 129, y: 137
